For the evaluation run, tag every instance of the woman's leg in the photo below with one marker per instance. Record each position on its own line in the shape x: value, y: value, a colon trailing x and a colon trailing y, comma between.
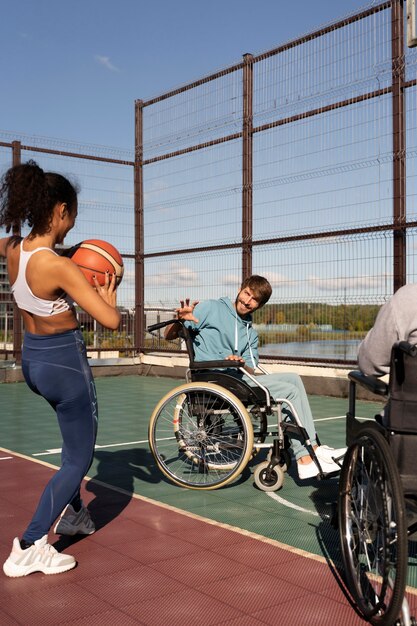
x: 58, y: 370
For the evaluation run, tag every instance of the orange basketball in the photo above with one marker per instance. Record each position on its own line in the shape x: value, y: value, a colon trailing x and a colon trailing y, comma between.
x: 95, y: 257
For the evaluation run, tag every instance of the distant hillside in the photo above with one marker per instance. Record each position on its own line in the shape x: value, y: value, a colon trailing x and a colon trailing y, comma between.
x: 350, y: 317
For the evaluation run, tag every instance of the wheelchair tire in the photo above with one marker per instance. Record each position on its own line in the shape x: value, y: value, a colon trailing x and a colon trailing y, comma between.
x: 373, y: 531
x: 275, y: 480
x: 201, y: 436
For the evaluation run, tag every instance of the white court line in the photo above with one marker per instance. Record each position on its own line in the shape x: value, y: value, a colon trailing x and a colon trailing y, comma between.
x: 339, y: 417
x: 5, y: 458
x: 130, y: 443
x: 291, y: 505
x: 97, y: 447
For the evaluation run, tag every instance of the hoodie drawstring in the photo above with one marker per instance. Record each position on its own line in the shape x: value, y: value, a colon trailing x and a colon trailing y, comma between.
x: 247, y: 335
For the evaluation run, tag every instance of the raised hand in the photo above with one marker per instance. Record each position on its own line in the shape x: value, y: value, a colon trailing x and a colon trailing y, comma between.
x: 185, y: 311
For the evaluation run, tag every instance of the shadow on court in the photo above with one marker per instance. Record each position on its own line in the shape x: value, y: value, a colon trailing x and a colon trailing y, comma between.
x: 327, y: 533
x: 117, y: 469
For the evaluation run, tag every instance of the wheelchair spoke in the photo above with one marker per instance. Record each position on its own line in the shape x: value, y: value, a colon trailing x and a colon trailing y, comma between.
x: 373, y: 533
x: 200, y: 436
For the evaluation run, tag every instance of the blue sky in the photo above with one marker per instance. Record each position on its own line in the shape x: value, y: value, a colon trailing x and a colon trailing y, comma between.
x: 72, y: 70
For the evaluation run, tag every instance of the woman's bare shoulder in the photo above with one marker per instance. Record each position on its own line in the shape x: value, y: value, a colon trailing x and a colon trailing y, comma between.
x: 9, y: 242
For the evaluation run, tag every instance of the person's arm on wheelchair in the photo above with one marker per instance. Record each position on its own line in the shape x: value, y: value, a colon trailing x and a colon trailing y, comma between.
x: 185, y: 313
x: 374, y: 353
x: 236, y: 357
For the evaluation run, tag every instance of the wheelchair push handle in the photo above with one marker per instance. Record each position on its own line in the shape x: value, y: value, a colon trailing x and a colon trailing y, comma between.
x: 153, y: 327
x: 408, y: 348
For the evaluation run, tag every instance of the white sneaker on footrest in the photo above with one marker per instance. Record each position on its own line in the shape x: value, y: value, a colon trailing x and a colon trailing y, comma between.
x: 325, y: 453
x: 325, y: 456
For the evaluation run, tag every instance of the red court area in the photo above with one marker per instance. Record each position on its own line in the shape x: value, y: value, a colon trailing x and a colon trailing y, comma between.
x: 149, y: 563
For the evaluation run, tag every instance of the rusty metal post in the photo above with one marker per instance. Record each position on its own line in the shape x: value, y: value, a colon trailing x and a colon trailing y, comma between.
x: 17, y: 318
x: 139, y: 324
x: 247, y: 166
x: 398, y: 145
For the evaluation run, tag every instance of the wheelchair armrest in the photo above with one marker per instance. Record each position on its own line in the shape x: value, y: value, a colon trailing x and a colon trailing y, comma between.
x: 376, y: 385
x: 208, y: 365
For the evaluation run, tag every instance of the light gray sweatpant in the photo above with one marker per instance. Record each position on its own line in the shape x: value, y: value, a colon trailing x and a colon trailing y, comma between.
x: 289, y: 385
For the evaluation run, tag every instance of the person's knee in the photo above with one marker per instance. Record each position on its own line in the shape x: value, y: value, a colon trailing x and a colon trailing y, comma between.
x: 71, y: 474
x: 291, y: 392
x: 78, y: 460
x: 294, y: 379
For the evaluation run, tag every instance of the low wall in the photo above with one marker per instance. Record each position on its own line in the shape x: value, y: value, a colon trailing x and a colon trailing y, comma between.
x: 318, y: 380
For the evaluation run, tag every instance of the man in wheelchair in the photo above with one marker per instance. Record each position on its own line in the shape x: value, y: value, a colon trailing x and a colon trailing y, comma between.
x: 396, y: 321
x: 222, y: 330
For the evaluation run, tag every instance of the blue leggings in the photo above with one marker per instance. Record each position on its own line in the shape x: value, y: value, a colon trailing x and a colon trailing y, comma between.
x: 56, y: 367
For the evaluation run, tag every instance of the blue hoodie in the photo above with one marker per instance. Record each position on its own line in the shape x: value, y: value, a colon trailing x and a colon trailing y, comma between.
x: 220, y: 332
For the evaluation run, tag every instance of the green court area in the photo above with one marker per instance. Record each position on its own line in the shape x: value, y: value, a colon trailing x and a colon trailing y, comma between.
x: 297, y: 515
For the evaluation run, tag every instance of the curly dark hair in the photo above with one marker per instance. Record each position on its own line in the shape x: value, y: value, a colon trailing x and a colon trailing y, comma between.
x: 29, y: 195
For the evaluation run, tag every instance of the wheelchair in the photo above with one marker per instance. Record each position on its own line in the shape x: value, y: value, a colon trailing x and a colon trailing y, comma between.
x: 377, y: 501
x: 203, y: 433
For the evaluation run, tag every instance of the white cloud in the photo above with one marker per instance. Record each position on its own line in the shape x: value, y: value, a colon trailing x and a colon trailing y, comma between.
x: 338, y: 284
x: 105, y: 61
x: 233, y: 280
x: 278, y: 280
x: 177, y: 276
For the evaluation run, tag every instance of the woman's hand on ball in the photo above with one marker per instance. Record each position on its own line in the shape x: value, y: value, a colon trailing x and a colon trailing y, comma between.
x: 108, y: 290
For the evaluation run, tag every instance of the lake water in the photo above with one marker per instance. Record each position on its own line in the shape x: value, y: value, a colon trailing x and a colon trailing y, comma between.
x: 320, y: 349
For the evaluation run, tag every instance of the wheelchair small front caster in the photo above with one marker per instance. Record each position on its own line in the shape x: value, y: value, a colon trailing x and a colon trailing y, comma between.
x: 268, y: 480
x: 284, y: 459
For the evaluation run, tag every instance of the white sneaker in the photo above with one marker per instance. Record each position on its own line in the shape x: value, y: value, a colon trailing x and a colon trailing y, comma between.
x: 40, y: 557
x: 72, y: 523
x: 325, y: 456
x: 328, y: 455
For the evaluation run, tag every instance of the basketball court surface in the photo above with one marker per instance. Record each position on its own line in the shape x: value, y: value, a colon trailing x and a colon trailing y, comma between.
x: 163, y: 554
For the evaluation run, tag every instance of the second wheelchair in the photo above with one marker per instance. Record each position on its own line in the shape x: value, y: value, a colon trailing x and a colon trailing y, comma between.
x: 377, y: 506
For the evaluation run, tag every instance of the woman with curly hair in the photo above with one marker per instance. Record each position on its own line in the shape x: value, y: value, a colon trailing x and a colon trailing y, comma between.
x: 54, y: 361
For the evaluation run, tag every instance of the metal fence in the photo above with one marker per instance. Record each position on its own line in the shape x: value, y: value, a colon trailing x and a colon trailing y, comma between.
x: 298, y: 164
x: 105, y: 177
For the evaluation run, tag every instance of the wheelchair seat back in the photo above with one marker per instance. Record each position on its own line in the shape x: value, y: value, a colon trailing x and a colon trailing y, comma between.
x: 401, y: 413
x: 246, y: 394
x: 210, y: 372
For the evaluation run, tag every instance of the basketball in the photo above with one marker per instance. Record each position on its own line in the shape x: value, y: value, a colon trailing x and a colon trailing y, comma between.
x: 95, y: 257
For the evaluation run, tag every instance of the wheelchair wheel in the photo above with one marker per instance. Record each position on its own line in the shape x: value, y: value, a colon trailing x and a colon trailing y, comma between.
x: 201, y: 436
x: 268, y: 481
x: 373, y: 528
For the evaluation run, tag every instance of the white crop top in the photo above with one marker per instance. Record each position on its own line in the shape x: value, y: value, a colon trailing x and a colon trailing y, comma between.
x: 26, y: 299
